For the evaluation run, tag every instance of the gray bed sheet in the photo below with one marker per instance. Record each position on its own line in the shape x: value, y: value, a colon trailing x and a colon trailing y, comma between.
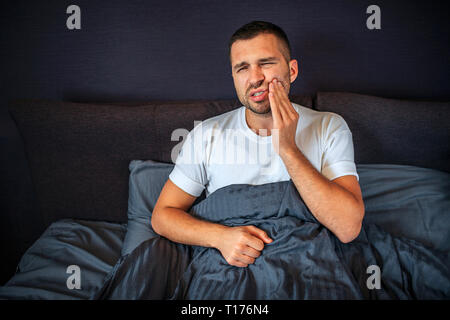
x: 92, y: 248
x: 405, y: 202
x: 405, y: 234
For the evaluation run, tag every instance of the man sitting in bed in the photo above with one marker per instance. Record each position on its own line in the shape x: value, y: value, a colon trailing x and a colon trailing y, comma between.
x: 312, y: 148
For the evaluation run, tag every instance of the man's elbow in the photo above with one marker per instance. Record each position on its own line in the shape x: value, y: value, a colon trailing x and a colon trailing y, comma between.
x: 155, y: 221
x: 350, y: 235
x: 353, y: 231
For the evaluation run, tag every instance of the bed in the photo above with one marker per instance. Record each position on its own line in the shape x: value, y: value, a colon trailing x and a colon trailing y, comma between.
x: 98, y: 168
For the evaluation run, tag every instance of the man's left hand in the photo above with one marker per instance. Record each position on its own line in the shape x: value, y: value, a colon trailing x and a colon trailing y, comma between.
x: 285, y: 119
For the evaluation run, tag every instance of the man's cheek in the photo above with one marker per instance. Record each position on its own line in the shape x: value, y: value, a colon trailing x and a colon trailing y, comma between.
x: 284, y: 83
x: 273, y: 78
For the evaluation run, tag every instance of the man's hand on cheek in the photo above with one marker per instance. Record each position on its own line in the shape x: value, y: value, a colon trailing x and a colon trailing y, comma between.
x: 285, y: 119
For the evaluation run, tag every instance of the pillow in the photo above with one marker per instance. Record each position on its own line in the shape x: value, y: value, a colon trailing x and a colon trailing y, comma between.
x: 393, y: 131
x: 147, y: 178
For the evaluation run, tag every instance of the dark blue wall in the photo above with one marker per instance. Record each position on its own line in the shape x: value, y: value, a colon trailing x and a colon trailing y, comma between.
x: 178, y: 49
x: 143, y: 50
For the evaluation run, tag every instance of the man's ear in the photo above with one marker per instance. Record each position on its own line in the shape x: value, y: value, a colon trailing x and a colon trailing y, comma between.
x: 293, y: 70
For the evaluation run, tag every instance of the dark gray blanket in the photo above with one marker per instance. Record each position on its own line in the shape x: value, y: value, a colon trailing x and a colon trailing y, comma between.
x: 305, y: 260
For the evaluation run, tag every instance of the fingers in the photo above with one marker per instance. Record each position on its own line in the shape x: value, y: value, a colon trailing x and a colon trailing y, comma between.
x: 261, y: 234
x: 248, y: 241
x: 281, y: 100
x: 252, y: 253
x: 244, y: 259
x: 252, y: 240
x: 274, y: 88
x: 274, y: 104
x: 238, y: 263
x: 243, y: 256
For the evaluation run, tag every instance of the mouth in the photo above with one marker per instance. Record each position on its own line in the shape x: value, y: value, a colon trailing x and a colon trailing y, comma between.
x: 258, y: 95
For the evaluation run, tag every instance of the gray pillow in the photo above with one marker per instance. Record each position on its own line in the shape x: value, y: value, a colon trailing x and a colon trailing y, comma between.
x: 147, y: 178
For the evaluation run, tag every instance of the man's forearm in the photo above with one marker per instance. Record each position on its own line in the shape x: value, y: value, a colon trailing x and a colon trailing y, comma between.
x: 239, y: 245
x: 337, y: 208
x: 179, y: 226
x: 332, y: 205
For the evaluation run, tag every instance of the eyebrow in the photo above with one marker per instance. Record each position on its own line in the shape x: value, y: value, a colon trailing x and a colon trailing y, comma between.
x: 262, y: 60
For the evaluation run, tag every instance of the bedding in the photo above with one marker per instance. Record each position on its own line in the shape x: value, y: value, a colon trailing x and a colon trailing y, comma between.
x: 42, y: 273
x: 146, y: 181
x: 405, y: 234
x: 147, y: 178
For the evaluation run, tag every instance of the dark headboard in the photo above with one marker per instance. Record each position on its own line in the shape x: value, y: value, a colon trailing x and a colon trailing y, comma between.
x: 394, y: 131
x: 79, y: 153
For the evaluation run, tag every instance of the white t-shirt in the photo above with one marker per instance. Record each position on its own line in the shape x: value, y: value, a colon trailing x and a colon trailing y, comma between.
x: 223, y: 150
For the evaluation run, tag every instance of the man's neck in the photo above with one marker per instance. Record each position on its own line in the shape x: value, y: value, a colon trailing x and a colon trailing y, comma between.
x: 261, y: 124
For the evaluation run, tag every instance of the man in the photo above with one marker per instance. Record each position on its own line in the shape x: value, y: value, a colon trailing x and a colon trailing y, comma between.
x: 314, y: 149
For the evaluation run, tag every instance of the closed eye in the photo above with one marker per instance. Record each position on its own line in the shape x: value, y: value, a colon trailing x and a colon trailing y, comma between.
x: 265, y: 63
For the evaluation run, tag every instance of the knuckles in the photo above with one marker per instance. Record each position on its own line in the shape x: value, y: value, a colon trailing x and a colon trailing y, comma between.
x: 238, y: 253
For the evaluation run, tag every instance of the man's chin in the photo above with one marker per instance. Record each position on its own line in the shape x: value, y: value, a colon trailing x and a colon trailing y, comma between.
x: 261, y: 109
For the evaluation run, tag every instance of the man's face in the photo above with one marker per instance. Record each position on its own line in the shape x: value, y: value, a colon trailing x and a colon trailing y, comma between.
x: 255, y: 63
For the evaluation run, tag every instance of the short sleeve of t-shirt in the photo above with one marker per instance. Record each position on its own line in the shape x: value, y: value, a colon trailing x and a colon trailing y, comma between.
x: 338, y: 153
x: 189, y: 172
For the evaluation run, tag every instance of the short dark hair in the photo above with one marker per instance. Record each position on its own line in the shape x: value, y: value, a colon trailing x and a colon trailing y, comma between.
x: 254, y: 28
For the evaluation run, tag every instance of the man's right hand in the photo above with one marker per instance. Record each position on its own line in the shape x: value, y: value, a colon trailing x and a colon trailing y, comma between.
x: 240, y: 246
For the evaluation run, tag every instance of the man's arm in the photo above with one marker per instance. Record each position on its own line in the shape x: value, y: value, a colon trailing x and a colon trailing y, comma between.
x: 240, y: 246
x: 337, y: 204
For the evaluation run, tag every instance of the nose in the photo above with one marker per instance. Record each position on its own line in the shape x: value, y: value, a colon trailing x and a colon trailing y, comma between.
x: 256, y: 77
